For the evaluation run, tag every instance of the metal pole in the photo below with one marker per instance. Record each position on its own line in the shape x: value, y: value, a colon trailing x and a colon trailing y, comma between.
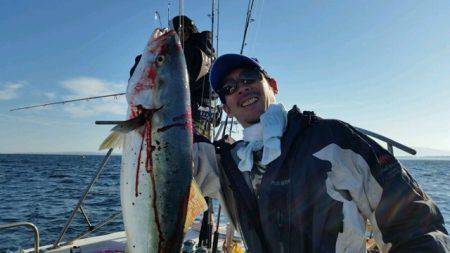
x: 225, y: 126
x: 388, y: 141
x: 212, y: 20
x: 80, y: 201
x: 222, y: 124
x: 216, y: 233
x: 85, y: 217
x: 210, y: 223
x: 103, y: 223
x: 231, y: 126
x: 390, y: 148
x: 26, y: 224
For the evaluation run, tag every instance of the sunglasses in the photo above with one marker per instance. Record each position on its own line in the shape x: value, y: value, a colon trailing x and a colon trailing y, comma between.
x: 246, y: 77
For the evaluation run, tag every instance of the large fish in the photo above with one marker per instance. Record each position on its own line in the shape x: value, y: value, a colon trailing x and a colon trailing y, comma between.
x: 156, y: 170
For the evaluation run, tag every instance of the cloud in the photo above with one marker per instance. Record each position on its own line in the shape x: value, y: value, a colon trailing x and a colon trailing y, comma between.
x: 93, y: 108
x: 9, y: 90
x: 50, y: 95
x: 88, y: 86
x: 82, y: 87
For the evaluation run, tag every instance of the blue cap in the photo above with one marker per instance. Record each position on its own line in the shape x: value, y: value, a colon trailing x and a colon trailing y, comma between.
x: 225, y: 64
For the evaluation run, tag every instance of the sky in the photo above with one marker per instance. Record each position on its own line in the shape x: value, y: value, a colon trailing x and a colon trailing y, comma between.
x: 380, y: 65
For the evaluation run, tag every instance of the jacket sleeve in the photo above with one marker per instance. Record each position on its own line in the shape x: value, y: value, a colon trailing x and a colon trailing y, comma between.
x: 205, y: 169
x: 404, y: 218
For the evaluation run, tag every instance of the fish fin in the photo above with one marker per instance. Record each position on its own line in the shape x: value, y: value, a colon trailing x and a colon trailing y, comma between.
x: 129, y: 125
x: 196, y: 205
x: 114, y: 140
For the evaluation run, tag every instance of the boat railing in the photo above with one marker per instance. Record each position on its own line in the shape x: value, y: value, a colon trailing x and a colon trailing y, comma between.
x: 79, y: 207
x: 25, y: 224
x: 390, y: 143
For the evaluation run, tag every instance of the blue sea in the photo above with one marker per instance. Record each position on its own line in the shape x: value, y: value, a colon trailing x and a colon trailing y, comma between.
x: 44, y: 189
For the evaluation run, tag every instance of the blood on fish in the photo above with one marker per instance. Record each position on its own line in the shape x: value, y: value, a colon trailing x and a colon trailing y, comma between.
x: 134, y: 112
x: 147, y: 136
x: 165, y: 128
x: 149, y: 147
x: 138, y: 166
x: 187, y: 116
x: 149, y: 167
x: 138, y: 88
x: 153, y: 46
x: 163, y: 49
x: 188, y: 124
x: 151, y: 75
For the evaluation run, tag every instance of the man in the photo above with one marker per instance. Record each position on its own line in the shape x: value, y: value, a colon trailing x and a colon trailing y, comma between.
x: 299, y: 183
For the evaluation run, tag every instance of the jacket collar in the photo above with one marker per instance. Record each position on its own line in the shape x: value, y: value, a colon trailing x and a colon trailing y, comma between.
x: 293, y: 128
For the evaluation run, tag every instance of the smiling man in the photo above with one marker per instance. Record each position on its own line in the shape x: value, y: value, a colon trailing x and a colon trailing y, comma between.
x: 248, y: 101
x: 299, y: 183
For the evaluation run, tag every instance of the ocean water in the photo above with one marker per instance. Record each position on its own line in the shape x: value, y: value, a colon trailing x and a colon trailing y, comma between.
x: 44, y: 189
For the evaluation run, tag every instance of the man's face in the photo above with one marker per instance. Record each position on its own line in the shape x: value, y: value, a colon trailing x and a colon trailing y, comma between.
x: 249, y: 100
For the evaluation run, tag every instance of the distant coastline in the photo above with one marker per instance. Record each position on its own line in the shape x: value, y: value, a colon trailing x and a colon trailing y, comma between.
x: 445, y: 158
x: 66, y: 153
x: 400, y: 157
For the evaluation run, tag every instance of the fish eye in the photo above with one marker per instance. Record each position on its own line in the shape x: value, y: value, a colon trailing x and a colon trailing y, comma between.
x: 160, y: 59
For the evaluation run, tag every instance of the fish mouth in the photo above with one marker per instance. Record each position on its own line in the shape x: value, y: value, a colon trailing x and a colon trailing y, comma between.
x: 249, y: 101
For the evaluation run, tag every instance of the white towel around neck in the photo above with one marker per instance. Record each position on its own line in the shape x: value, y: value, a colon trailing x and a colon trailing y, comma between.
x: 264, y: 135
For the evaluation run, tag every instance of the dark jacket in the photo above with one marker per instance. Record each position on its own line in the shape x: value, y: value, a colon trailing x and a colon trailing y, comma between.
x: 317, y: 196
x: 198, y: 51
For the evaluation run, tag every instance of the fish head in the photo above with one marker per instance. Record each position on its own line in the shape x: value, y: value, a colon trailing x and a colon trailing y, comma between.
x: 160, y: 77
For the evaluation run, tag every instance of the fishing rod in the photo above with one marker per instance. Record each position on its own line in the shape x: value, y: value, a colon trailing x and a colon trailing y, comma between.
x: 158, y: 17
x: 206, y: 230
x: 217, y: 29
x: 168, y: 14
x: 67, y: 101
x: 247, y: 23
x: 181, y: 23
